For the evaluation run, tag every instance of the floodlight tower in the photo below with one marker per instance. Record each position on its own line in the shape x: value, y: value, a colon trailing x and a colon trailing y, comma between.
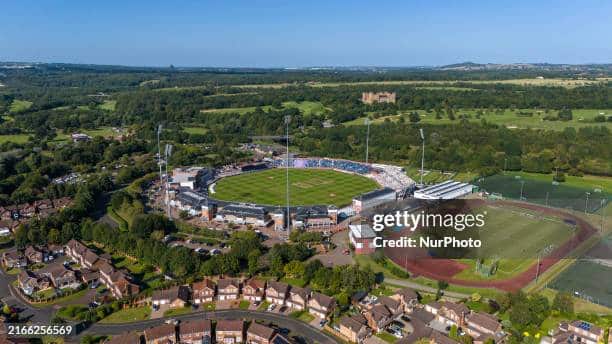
x: 586, y: 203
x: 159, y: 156
x: 367, y: 122
x: 288, y: 222
x: 167, y: 153
x: 422, y: 155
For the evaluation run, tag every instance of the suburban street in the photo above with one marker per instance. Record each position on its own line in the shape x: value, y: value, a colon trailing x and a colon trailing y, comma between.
x: 298, y: 328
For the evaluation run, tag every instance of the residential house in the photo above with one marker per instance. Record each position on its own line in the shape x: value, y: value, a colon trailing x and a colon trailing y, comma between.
x: 321, y: 305
x: 482, y: 326
x: 452, y: 313
x: 354, y: 328
x: 35, y: 255
x: 228, y: 289
x: 90, y: 277
x: 440, y: 338
x: 124, y: 338
x: 276, y: 292
x: 298, y: 298
x: 30, y: 282
x: 229, y: 331
x: 119, y: 282
x: 161, y: 334
x: 259, y: 334
x: 394, y: 306
x: 14, y: 259
x: 379, y: 317
x: 60, y: 276
x: 203, y: 291
x: 583, y: 332
x: 254, y: 290
x: 196, y: 332
x: 408, y: 299
x: 175, y: 297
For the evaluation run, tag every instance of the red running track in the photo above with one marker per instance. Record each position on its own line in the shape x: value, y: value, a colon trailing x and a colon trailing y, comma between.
x: 445, y: 269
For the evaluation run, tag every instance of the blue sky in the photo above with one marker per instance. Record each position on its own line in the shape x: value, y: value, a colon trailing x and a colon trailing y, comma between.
x: 305, y: 33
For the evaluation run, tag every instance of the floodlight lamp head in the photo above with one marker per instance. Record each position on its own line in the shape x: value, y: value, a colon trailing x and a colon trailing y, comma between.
x: 159, y: 129
x: 287, y: 119
x: 422, y: 134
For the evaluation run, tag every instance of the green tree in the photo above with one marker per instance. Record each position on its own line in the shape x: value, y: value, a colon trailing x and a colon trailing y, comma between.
x: 564, y: 303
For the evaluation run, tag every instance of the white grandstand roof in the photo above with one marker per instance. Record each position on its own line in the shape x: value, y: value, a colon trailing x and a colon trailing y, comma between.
x: 362, y: 231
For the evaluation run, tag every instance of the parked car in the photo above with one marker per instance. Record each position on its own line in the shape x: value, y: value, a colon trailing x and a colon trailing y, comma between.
x: 271, y: 307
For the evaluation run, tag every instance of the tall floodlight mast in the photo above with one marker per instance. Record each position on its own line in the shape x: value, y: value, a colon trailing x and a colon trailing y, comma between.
x: 367, y: 122
x: 167, y: 153
x: 159, y: 156
x: 422, y: 155
x: 288, y: 222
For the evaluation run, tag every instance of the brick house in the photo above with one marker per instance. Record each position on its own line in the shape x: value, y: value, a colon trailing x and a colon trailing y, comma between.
x: 254, y: 290
x: 229, y: 331
x: 196, y: 332
x: 228, y: 289
x: 203, y: 291
x: 276, y: 292
x: 408, y: 299
x: 354, y: 328
x: 161, y: 334
x: 321, y: 305
x: 259, y: 334
x: 175, y: 297
x: 60, y: 276
x: 298, y: 298
x: 482, y: 326
x: 14, y: 259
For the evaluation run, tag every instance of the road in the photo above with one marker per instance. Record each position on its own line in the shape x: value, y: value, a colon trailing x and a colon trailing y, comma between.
x: 10, y: 296
x: 297, y: 328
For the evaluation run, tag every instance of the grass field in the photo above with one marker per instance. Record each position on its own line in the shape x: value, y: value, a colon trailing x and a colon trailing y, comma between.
x: 570, y: 194
x: 528, y: 233
x: 18, y: 138
x: 128, y: 315
x: 306, y: 107
x: 508, y: 118
x: 19, y: 105
x: 590, y: 280
x: 108, y: 105
x: 307, y: 187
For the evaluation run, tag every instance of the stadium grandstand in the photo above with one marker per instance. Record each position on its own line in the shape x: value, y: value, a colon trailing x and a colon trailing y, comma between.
x: 447, y: 190
x: 242, y: 213
x: 373, y: 198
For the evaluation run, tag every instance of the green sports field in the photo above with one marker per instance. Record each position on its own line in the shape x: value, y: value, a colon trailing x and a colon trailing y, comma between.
x: 307, y: 187
x: 515, y: 236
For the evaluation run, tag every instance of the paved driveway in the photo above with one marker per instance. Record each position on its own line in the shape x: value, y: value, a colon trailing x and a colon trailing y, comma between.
x: 336, y: 256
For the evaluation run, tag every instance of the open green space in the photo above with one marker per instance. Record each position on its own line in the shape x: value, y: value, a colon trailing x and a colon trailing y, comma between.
x: 172, y: 312
x: 128, y: 315
x: 508, y: 118
x: 528, y: 231
x: 16, y: 138
x: 539, y: 188
x: 19, y: 105
x: 307, y: 187
x: 302, y: 315
x: 108, y: 105
x: 306, y: 107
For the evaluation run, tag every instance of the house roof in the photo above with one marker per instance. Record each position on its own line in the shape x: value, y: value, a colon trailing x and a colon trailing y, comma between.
x: 407, y: 293
x: 458, y: 308
x: 440, y: 338
x: 376, y: 194
x: 302, y: 292
x: 390, y: 303
x: 279, y: 287
x: 280, y: 339
x: 195, y: 326
x: 352, y: 323
x: 160, y: 331
x: 255, y: 283
x: 205, y: 284
x: 323, y: 300
x: 362, y: 231
x: 230, y: 325
x: 488, y: 321
x: 260, y: 330
x: 227, y: 282
x: 177, y: 292
x: 124, y: 338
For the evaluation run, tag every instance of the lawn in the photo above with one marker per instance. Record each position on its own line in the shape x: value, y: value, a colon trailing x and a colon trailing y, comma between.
x: 208, y: 306
x: 509, y: 118
x: 263, y: 306
x: 108, y: 105
x: 178, y: 311
x: 304, y: 316
x: 244, y: 304
x: 307, y: 187
x: 16, y: 138
x: 195, y: 130
x: 65, y: 299
x: 386, y: 336
x: 19, y: 105
x: 128, y: 315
